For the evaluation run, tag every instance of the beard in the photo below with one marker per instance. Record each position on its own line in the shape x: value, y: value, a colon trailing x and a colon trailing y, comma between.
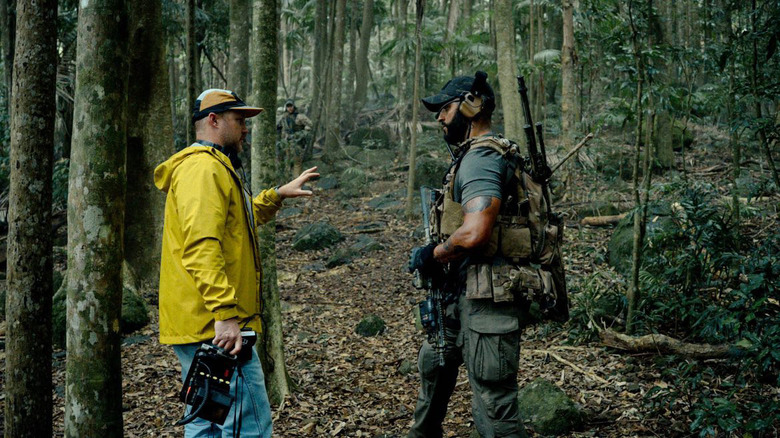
x: 456, y: 129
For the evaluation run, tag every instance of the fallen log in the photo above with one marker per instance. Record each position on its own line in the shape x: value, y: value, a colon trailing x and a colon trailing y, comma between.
x: 602, y: 221
x: 667, y: 345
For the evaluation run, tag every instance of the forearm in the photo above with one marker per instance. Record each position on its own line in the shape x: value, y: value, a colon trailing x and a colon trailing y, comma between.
x: 457, y: 246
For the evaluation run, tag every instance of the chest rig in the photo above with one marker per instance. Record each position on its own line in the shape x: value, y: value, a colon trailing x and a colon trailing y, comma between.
x: 526, y: 235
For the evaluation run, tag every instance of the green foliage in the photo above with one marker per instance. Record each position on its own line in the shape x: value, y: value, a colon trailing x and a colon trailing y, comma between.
x: 60, y: 184
x: 705, y: 282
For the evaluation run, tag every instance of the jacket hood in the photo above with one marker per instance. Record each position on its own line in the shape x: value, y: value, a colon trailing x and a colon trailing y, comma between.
x: 164, y: 172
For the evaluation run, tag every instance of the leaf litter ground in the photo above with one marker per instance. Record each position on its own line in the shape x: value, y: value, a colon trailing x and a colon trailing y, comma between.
x: 354, y: 386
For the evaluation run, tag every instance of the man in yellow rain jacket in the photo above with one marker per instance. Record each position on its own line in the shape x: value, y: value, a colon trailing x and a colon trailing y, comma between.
x: 210, y: 272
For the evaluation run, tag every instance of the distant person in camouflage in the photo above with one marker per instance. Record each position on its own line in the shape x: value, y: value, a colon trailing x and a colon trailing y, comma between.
x: 293, y: 129
x: 482, y: 322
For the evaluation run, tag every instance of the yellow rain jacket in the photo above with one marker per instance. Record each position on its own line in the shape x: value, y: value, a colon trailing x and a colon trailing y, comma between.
x: 210, y: 268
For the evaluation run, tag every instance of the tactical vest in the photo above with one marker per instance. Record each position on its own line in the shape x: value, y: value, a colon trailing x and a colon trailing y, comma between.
x: 526, y: 234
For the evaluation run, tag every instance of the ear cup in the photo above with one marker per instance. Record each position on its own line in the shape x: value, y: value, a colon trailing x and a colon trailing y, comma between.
x: 471, y: 105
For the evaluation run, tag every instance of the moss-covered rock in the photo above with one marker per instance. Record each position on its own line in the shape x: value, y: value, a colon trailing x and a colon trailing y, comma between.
x: 429, y: 172
x: 598, y: 208
x: 370, y: 325
x: 621, y: 243
x: 370, y: 138
x: 318, y: 235
x: 407, y: 367
x: 548, y: 408
x: 377, y: 157
x: 363, y: 245
x: 135, y: 313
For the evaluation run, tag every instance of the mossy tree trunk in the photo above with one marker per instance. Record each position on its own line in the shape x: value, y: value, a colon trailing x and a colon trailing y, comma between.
x: 318, y: 72
x: 96, y: 205
x: 265, y: 70
x: 149, y: 141
x: 28, y: 402
x: 568, y: 82
x: 634, y: 291
x: 415, y: 104
x: 8, y: 36
x: 333, y: 122
x: 240, y: 31
x: 361, y: 81
x: 507, y: 70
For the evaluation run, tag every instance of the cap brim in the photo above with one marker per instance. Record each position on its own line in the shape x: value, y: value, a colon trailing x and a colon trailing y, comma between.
x: 247, y: 111
x: 435, y: 102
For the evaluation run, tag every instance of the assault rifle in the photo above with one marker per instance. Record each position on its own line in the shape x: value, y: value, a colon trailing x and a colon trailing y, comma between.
x: 431, y: 311
x: 540, y: 171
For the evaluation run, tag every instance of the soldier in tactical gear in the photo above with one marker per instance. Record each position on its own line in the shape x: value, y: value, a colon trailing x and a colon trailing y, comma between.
x: 292, y: 128
x: 482, y: 323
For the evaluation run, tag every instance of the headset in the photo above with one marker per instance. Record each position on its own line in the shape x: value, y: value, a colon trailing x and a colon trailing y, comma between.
x: 473, y: 102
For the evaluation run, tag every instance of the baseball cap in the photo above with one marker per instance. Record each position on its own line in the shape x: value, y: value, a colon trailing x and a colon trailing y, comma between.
x: 216, y: 100
x: 455, y: 88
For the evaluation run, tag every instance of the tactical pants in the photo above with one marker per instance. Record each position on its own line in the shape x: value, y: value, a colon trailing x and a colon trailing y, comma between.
x: 488, y: 342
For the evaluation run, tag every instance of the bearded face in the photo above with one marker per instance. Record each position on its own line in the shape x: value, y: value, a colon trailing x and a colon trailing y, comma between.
x: 455, y: 131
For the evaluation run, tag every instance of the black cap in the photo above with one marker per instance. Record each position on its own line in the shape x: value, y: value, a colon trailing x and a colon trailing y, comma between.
x: 289, y: 102
x: 458, y: 87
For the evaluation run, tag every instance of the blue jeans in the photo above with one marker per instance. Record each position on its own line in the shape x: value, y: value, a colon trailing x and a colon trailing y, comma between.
x: 255, y: 409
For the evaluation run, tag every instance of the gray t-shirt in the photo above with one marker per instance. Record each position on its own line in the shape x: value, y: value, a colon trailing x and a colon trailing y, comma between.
x: 481, y: 173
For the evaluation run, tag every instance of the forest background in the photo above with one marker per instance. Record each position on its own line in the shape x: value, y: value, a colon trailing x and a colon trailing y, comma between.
x: 681, y: 97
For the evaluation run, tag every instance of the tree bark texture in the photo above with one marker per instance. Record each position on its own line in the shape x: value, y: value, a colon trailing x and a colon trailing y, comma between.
x: 8, y: 37
x: 265, y: 69
x: 149, y: 141
x: 633, y: 291
x: 240, y: 32
x: 568, y: 85
x: 333, y: 122
x: 659, y: 343
x: 415, y: 104
x: 361, y: 80
x: 352, y: 69
x: 318, y: 64
x: 28, y: 402
x: 96, y: 205
x: 192, y: 68
x: 507, y: 69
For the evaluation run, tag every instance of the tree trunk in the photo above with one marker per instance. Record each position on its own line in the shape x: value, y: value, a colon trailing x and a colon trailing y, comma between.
x: 352, y: 69
x: 8, y: 37
x: 149, y: 141
x: 568, y: 86
x: 333, y: 122
x: 361, y: 84
x: 415, y: 104
x: 764, y: 141
x: 192, y: 68
x: 240, y: 31
x: 96, y: 206
x: 264, y: 70
x: 402, y: 65
x: 28, y: 402
x: 507, y: 69
x: 452, y: 22
x: 318, y: 71
x: 633, y: 292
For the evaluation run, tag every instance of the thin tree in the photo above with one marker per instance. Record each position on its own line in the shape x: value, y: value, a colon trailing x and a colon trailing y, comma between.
x: 240, y: 30
x: 634, y: 290
x: 318, y: 67
x: 96, y: 206
x: 352, y: 69
x: 507, y: 69
x: 265, y: 69
x: 333, y: 122
x: 361, y: 81
x: 28, y: 399
x: 415, y: 107
x: 568, y: 85
x: 149, y: 141
x: 8, y: 35
x: 192, y: 65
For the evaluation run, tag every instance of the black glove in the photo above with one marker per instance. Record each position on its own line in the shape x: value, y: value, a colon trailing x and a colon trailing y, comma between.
x: 421, y: 259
